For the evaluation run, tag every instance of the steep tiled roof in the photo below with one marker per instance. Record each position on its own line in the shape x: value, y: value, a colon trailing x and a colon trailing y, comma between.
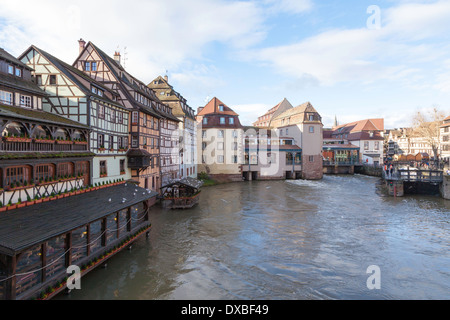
x: 213, y: 108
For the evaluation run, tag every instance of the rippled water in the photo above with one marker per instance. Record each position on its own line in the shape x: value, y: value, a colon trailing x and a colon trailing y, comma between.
x: 286, y: 240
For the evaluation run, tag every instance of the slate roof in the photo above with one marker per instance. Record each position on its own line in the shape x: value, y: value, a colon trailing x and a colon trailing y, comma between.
x: 38, y: 115
x: 9, y: 57
x: 72, y: 73
x: 29, y: 226
x: 21, y: 84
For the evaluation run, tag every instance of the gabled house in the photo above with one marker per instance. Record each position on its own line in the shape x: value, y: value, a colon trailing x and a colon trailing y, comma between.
x: 187, y: 147
x: 148, y: 113
x: 75, y: 96
x: 368, y: 135
x: 265, y: 121
x: 220, y: 147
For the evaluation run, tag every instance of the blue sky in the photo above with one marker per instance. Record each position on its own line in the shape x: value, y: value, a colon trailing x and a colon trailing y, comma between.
x: 253, y: 54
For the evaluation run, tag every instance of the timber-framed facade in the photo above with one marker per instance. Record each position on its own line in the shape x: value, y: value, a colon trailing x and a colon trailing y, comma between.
x: 147, y: 111
x: 73, y: 95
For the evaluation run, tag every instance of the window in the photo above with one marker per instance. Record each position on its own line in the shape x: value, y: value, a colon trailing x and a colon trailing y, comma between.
x: 220, y: 134
x: 220, y: 159
x: 231, y: 120
x: 235, y: 134
x: 113, y: 116
x: 311, y: 129
x: 52, y: 79
x: 111, y: 142
x: 87, y: 66
x: 366, y: 145
x: 64, y: 169
x: 25, y: 101
x: 11, y: 69
x: 103, y: 168
x: 120, y: 142
x: 203, y: 133
x: 101, y: 111
x: 222, y: 120
x: 18, y: 72
x: 144, y: 120
x: 220, y: 146
x: 101, y: 140
x: 221, y: 108
x: 234, y: 159
x: 135, y: 117
x: 311, y: 158
x: 38, y: 79
x: 205, y: 120
x: 17, y: 175
x: 94, y: 90
x: 94, y: 66
x: 119, y: 117
x: 311, y: 117
x: 6, y: 97
x: 122, y: 166
x: 377, y: 145
x: 134, y: 141
x: 203, y: 145
x: 287, y: 131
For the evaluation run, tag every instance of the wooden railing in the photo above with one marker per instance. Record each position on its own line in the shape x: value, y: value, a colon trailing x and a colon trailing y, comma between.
x: 408, y: 175
x: 36, y: 145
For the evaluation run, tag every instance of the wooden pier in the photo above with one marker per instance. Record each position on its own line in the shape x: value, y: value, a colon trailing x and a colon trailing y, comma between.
x: 414, y: 181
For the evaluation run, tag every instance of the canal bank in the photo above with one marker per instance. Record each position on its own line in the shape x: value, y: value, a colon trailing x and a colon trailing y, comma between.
x: 286, y: 240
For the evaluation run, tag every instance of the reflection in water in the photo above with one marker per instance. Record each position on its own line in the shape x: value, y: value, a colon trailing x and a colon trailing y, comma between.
x: 286, y: 240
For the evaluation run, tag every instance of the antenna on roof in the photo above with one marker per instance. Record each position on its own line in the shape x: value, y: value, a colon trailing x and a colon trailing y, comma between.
x: 125, y: 57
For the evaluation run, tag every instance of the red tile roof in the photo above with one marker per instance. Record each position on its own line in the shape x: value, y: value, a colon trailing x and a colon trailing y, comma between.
x: 213, y: 108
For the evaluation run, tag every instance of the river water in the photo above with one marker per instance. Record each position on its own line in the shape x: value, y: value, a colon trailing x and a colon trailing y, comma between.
x: 288, y: 240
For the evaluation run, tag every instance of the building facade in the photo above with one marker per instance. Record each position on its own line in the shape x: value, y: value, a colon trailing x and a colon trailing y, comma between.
x: 74, y: 95
x: 445, y: 139
x: 367, y: 135
x: 148, y: 113
x: 187, y: 147
x: 220, y: 142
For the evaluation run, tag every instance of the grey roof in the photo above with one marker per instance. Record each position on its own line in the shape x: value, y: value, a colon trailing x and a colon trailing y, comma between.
x: 72, y: 73
x: 188, y: 181
x: 9, y: 57
x: 38, y: 116
x: 21, y: 84
x: 29, y: 226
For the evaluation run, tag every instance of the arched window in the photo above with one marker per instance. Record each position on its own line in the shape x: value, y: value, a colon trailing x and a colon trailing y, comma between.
x: 61, y: 134
x: 78, y: 136
x: 14, y: 129
x: 40, y: 132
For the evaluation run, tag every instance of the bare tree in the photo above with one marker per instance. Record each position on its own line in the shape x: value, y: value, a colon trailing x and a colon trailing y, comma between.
x: 426, y: 125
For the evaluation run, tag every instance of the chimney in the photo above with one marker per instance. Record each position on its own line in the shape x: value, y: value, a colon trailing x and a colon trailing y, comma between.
x: 82, y: 44
x: 166, y: 78
x: 117, y: 56
x: 199, y: 109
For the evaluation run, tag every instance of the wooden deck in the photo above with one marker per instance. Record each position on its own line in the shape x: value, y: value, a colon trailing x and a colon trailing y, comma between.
x: 411, y: 175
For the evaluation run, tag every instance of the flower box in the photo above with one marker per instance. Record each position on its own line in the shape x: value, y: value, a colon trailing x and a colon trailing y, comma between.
x: 44, y: 141
x: 11, y: 207
x: 3, y: 209
x: 21, y: 205
x: 80, y: 142
x: 29, y: 203
x: 37, y: 201
x: 64, y: 142
x: 17, y: 139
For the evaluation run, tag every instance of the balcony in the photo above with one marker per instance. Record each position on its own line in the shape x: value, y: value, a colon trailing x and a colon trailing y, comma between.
x: 20, y: 144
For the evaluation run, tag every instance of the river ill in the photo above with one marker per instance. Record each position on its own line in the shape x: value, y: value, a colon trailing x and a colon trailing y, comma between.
x: 289, y: 240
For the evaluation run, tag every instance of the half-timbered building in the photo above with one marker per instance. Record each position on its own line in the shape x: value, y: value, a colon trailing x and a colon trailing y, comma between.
x: 144, y: 157
x: 186, y: 127
x: 40, y: 153
x: 74, y: 95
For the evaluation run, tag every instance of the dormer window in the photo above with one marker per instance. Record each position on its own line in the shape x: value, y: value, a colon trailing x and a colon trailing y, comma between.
x: 11, y: 69
x: 18, y: 72
x: 221, y: 108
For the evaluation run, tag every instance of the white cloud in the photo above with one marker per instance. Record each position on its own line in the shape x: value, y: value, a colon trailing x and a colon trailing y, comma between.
x: 248, y: 113
x: 289, y: 6
x: 158, y: 34
x: 362, y: 55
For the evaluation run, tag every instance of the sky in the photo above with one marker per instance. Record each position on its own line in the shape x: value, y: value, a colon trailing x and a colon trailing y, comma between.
x: 352, y: 60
